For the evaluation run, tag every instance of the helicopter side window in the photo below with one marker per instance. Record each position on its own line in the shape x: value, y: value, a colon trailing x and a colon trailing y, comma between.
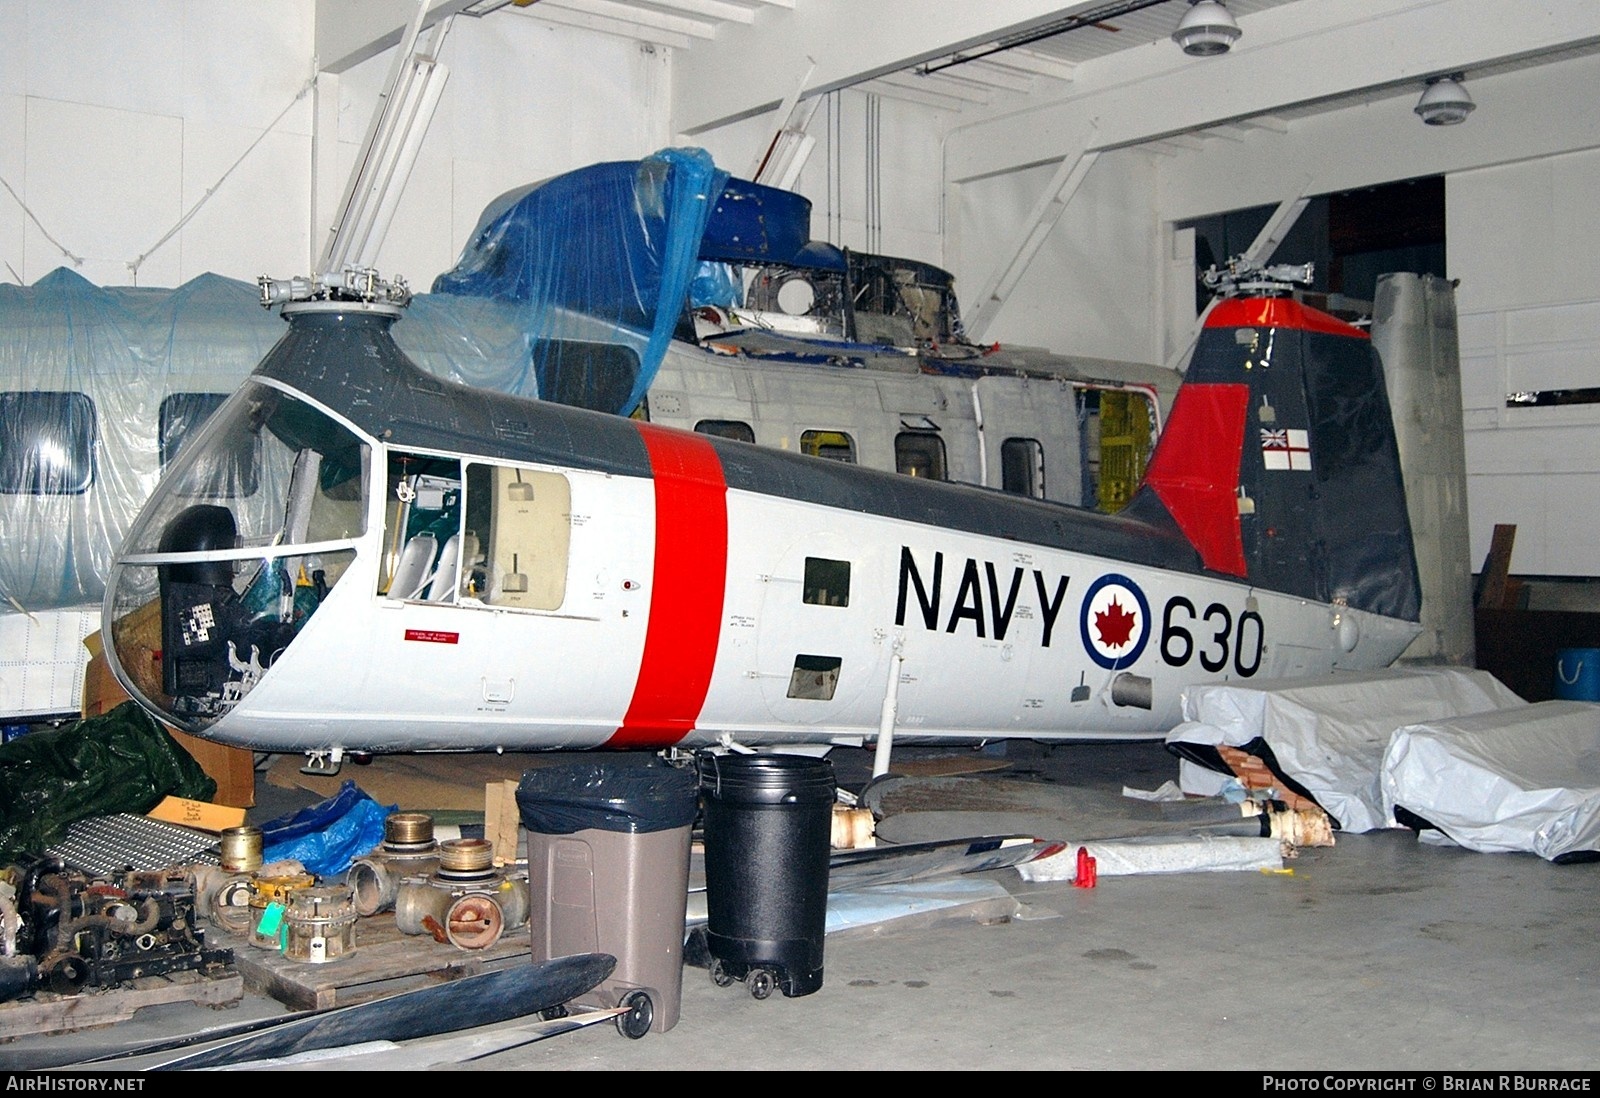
x: 920, y: 454
x: 1022, y: 467
x: 827, y: 582
x: 834, y: 445
x: 726, y: 428
x: 423, y: 515
x: 521, y: 520
x: 814, y: 678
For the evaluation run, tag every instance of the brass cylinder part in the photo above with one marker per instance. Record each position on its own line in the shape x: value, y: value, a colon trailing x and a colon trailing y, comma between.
x: 408, y: 828
x: 466, y: 855
x: 269, y: 896
x: 240, y: 850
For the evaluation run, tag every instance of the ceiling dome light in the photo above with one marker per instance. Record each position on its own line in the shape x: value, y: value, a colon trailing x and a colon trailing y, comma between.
x: 1444, y: 102
x: 1206, y: 29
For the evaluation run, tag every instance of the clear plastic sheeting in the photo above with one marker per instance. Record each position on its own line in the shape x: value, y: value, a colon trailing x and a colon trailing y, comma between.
x: 1524, y: 780
x: 101, y: 387
x: 1328, y: 734
x: 591, y: 254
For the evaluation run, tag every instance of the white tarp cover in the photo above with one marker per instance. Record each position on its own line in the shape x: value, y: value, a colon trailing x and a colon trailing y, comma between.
x: 1525, y: 779
x: 1142, y: 854
x: 1328, y: 733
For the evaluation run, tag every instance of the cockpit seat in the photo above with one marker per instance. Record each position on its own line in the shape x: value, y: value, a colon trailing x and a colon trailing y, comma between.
x: 415, y: 567
x: 442, y: 587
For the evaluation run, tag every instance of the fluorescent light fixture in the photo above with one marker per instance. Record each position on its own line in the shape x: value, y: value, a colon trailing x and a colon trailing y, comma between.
x: 1206, y: 29
x: 1444, y: 101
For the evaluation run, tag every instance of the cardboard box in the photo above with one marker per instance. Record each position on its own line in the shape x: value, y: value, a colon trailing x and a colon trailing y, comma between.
x: 197, y: 814
x: 232, y: 768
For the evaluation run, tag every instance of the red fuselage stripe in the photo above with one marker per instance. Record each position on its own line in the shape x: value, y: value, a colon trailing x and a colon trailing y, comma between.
x: 686, y: 590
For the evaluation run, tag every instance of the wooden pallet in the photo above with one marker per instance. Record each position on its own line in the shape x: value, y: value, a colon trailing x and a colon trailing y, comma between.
x: 382, y: 961
x: 46, y: 1013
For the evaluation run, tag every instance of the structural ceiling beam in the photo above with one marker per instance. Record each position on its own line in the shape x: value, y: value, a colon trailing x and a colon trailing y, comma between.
x: 349, y: 32
x: 1289, y: 57
x: 752, y: 69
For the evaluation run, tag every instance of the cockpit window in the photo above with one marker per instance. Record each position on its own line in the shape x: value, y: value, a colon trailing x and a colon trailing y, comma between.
x: 287, y: 472
x: 181, y: 417
x: 253, y: 525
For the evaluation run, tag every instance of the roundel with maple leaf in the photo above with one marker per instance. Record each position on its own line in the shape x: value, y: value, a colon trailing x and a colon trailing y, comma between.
x: 1115, y: 621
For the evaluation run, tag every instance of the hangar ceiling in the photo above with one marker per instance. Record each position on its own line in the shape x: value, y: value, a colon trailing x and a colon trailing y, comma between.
x: 1033, y: 58
x: 735, y: 59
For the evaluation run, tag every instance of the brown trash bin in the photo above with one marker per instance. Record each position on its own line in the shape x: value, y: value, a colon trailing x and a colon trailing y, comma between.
x: 608, y: 872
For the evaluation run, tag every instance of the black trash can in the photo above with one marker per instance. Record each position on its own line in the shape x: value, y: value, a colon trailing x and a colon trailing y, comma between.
x: 608, y: 872
x: 768, y: 822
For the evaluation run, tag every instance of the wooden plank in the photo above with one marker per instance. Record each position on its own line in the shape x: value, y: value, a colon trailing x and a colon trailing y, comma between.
x: 48, y: 1013
x: 502, y: 820
x: 382, y: 961
x: 1493, y: 589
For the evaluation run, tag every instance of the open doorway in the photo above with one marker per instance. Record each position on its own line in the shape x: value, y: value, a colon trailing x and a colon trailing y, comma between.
x: 1350, y: 237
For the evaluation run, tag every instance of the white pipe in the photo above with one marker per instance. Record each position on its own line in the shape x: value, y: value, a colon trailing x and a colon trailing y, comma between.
x: 891, y: 705
x: 983, y: 443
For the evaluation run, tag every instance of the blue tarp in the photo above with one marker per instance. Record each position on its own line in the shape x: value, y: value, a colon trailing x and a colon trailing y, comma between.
x: 612, y: 245
x: 327, y: 837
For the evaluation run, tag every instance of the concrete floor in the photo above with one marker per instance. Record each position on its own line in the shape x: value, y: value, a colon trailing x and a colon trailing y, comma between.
x: 1377, y: 953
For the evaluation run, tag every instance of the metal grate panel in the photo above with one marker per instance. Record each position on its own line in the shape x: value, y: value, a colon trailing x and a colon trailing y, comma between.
x: 102, y: 845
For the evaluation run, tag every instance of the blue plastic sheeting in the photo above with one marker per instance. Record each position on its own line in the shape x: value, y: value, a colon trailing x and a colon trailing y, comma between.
x: 329, y: 836
x: 751, y: 222
x: 611, y: 246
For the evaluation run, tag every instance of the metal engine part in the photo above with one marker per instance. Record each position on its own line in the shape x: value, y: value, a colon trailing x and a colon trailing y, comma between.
x: 240, y: 849
x: 409, y: 849
x: 222, y: 895
x: 467, y: 901
x: 76, y: 932
x: 269, y: 897
x: 319, y: 925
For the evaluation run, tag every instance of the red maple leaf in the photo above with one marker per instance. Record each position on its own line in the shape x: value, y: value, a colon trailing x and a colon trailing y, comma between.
x: 1115, y: 625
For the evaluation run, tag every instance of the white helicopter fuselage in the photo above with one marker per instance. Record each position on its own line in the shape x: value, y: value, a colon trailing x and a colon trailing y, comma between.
x: 614, y: 669
x: 408, y: 565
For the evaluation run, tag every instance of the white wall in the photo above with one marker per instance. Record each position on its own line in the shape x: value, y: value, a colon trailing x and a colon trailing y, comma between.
x: 118, y: 116
x: 524, y: 101
x: 1088, y: 291
x: 115, y: 117
x: 1530, y: 319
